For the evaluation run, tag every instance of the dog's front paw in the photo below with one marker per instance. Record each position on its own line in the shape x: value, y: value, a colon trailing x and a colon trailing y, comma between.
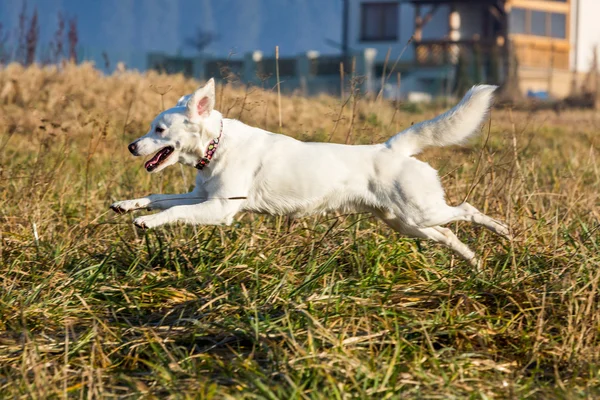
x: 116, y: 207
x: 141, y: 223
x: 125, y: 206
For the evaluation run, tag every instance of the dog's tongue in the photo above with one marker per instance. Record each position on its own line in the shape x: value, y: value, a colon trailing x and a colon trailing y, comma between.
x: 152, y: 163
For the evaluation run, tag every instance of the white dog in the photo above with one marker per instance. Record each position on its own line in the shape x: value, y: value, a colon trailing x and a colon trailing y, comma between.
x: 242, y: 168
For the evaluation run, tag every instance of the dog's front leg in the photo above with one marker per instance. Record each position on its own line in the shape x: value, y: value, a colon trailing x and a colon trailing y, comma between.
x: 214, y: 212
x: 156, y: 202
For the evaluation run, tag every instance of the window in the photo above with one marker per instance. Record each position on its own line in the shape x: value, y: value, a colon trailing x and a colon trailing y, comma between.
x: 538, y: 23
x: 558, y: 25
x: 379, y: 21
x: 518, y: 20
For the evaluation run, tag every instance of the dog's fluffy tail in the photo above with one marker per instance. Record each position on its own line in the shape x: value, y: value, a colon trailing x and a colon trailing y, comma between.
x: 452, y: 127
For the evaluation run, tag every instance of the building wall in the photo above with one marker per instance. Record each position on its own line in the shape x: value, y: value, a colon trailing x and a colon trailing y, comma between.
x: 558, y: 66
x: 585, y: 36
x: 437, y: 28
x: 436, y: 80
x: 127, y: 30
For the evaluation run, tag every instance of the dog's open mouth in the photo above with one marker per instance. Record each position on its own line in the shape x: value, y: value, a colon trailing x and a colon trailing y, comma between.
x: 158, y: 158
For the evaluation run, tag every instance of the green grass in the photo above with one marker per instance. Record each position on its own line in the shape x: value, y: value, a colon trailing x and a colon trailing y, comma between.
x: 325, y: 307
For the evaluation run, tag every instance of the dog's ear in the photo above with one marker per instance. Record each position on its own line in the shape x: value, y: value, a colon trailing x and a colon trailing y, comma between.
x: 202, y: 102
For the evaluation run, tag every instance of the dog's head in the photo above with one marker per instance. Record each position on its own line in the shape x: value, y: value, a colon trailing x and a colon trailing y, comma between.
x: 182, y: 133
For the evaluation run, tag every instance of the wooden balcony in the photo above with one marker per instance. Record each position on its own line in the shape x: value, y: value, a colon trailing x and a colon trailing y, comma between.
x: 434, y: 53
x: 538, y: 52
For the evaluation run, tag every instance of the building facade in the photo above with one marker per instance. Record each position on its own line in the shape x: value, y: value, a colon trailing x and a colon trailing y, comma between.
x: 553, y: 41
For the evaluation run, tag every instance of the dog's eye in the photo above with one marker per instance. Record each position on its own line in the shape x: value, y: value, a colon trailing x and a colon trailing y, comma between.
x: 159, y: 129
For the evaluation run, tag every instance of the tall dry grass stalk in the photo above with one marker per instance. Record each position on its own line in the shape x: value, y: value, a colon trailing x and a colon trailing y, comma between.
x: 324, y: 307
x: 278, y: 88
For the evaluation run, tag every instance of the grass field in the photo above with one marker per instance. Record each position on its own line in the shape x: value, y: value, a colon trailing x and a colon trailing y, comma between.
x: 327, y: 307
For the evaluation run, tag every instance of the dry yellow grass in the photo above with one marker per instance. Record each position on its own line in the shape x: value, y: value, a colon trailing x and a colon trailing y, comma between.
x: 330, y: 307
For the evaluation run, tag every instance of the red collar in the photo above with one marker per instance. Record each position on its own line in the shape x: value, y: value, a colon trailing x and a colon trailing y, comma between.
x: 210, y: 150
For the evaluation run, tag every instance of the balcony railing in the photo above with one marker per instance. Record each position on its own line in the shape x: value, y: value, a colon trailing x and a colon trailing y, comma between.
x: 542, y: 54
x: 444, y: 52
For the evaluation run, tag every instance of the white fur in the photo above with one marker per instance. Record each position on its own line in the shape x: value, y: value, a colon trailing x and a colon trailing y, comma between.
x: 276, y: 174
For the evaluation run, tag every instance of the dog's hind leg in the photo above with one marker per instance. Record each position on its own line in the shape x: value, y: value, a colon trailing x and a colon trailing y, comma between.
x: 437, y: 234
x: 477, y: 217
x: 446, y: 237
x: 466, y: 212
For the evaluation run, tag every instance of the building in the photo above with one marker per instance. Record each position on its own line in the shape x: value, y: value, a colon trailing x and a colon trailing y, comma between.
x: 112, y: 31
x: 553, y: 41
x: 539, y: 47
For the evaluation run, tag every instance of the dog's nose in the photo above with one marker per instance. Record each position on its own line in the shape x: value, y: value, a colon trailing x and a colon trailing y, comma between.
x: 133, y: 148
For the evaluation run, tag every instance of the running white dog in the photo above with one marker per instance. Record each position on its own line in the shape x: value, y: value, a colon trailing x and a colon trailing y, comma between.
x: 242, y: 168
